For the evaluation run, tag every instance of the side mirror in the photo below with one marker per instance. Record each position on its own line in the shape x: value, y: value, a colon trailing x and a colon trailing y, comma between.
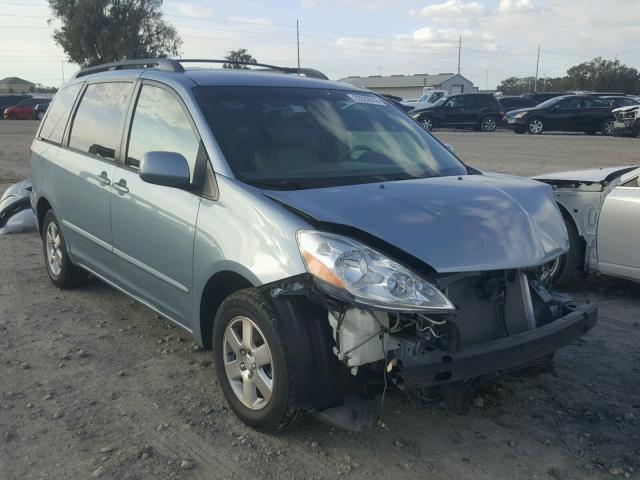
x: 168, y: 169
x: 449, y: 147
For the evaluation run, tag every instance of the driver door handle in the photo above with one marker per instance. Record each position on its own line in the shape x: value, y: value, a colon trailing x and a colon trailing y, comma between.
x: 103, y: 178
x: 121, y: 186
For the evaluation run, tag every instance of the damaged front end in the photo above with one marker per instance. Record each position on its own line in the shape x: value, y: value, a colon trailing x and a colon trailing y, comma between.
x: 429, y: 334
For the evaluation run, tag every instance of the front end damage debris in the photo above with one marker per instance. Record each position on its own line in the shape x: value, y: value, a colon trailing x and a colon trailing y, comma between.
x: 345, y: 355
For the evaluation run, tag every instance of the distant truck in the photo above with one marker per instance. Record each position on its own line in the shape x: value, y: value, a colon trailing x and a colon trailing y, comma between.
x: 428, y: 98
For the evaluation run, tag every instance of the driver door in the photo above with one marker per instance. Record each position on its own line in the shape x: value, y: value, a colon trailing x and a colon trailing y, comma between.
x: 453, y: 111
x: 564, y: 115
x: 619, y: 231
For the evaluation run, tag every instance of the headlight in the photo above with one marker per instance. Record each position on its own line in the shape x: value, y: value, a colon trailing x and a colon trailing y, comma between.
x: 353, y: 271
x: 520, y: 114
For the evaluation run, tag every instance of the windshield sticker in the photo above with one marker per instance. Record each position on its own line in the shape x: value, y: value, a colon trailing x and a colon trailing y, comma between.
x: 364, y: 98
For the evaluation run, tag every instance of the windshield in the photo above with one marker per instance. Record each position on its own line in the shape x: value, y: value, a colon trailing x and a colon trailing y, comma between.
x: 295, y: 138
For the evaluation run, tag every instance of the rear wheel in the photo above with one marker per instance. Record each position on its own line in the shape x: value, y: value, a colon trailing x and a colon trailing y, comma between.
x: 488, y: 124
x: 535, y: 126
x: 62, y: 272
x: 251, y: 364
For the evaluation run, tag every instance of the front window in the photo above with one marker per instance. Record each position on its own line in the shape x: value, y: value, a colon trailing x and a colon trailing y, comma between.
x: 294, y: 138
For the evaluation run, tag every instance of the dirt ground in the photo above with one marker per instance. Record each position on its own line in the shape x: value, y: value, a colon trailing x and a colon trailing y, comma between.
x: 93, y: 384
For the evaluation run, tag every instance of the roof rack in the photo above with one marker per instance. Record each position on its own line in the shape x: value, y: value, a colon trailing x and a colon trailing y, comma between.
x: 166, y: 64
x: 175, y: 65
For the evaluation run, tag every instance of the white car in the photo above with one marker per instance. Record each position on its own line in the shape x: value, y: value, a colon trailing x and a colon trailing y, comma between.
x: 601, y: 208
x: 428, y: 98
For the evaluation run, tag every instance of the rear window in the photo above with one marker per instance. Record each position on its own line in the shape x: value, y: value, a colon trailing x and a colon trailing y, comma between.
x: 97, y: 125
x: 58, y: 114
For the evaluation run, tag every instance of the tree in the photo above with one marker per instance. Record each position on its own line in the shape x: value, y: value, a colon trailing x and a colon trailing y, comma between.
x: 101, y: 31
x: 599, y: 75
x: 241, y: 55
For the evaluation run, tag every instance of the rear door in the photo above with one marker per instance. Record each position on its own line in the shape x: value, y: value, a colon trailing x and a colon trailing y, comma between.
x: 564, y: 115
x: 593, y: 113
x: 85, y: 171
x: 153, y: 226
x: 619, y: 231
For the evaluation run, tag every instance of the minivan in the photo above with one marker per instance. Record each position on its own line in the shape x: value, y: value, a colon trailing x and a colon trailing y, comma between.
x: 318, y: 240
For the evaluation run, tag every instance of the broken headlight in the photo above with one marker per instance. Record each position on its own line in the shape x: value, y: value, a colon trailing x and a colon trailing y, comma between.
x: 353, y: 271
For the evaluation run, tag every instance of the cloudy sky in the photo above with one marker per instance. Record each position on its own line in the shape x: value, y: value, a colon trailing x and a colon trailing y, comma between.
x: 365, y: 37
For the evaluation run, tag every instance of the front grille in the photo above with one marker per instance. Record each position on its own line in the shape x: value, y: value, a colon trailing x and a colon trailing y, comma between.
x: 479, y: 320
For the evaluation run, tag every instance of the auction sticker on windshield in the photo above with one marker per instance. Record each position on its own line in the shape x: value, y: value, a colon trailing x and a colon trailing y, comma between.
x: 360, y: 98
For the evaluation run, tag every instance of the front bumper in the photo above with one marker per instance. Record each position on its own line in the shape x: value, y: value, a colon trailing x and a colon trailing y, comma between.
x: 625, y: 128
x: 509, y: 353
x: 512, y: 122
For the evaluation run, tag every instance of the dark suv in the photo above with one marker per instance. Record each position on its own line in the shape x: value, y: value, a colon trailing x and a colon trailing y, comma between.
x: 481, y: 111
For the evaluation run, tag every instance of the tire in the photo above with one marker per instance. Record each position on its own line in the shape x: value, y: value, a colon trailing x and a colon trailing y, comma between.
x: 62, y: 272
x: 39, y: 115
x: 607, y: 127
x: 535, y: 126
x: 269, y: 402
x: 488, y: 124
x: 427, y: 123
x: 565, y: 267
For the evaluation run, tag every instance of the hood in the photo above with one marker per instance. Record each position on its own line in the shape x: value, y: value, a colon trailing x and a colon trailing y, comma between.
x: 519, y: 110
x: 586, y: 176
x: 628, y: 108
x: 453, y: 224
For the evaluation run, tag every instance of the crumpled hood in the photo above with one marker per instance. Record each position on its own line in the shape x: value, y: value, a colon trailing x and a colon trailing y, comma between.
x: 588, y: 175
x: 453, y: 224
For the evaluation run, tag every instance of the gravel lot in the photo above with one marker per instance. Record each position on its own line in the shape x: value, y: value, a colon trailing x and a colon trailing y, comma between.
x: 94, y: 384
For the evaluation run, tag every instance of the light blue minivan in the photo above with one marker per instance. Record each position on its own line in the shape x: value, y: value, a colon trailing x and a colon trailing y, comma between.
x: 321, y: 243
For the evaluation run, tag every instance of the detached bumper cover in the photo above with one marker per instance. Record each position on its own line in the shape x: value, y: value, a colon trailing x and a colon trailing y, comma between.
x: 435, y: 368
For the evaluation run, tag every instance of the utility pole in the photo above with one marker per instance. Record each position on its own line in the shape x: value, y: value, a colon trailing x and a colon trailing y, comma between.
x: 486, y: 80
x: 459, y: 51
x: 535, y: 86
x: 62, y: 66
x: 298, y: 41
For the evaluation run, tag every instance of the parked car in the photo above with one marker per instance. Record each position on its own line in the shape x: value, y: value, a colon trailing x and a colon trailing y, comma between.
x: 573, y: 113
x: 515, y: 103
x: 40, y: 109
x: 426, y: 100
x: 322, y: 245
x: 481, y: 111
x: 25, y: 110
x: 7, y: 101
x: 397, y: 101
x: 601, y: 208
x: 618, y: 101
x: 540, y: 97
x: 627, y: 121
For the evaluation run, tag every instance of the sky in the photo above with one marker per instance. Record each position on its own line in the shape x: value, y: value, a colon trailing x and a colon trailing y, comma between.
x: 342, y: 38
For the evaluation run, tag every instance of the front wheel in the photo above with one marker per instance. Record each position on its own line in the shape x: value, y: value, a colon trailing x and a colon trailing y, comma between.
x: 62, y: 272
x: 607, y: 127
x: 535, y: 126
x: 427, y: 123
x: 39, y: 115
x: 488, y: 124
x: 563, y: 269
x: 251, y: 363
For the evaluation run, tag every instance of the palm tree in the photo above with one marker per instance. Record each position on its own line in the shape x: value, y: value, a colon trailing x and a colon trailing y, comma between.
x: 242, y: 57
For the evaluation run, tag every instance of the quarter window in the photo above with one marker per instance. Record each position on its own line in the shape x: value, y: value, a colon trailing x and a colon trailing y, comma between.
x: 58, y: 113
x: 98, y: 121
x: 161, y: 124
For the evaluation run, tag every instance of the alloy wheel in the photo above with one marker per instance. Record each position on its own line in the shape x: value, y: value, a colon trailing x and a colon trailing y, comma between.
x: 427, y: 124
x: 536, y: 126
x: 248, y: 363
x: 54, y: 249
x: 607, y: 127
x: 488, y: 124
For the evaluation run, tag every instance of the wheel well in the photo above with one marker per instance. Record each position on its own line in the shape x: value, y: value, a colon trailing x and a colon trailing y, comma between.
x: 42, y: 208
x: 569, y: 218
x: 218, y: 287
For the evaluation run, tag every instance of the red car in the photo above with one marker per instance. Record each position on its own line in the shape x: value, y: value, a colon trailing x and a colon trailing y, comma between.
x: 25, y: 110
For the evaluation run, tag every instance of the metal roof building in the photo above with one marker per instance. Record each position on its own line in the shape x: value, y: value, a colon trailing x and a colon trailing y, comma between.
x: 412, y: 86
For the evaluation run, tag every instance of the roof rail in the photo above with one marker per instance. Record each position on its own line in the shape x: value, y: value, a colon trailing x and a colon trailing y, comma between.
x: 161, y: 63
x: 308, y: 72
x: 175, y: 65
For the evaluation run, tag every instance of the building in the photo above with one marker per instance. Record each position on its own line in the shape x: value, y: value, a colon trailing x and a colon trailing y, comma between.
x: 15, y: 85
x: 412, y: 86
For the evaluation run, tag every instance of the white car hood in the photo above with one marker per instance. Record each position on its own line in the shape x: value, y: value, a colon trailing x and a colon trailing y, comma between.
x: 587, y: 176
